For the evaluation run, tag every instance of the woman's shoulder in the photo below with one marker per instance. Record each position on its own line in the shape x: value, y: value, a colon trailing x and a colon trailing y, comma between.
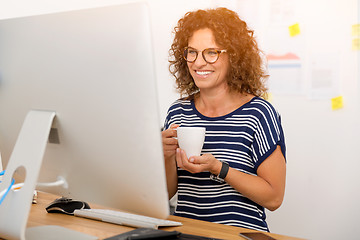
x: 261, y: 106
x: 181, y: 102
x: 178, y: 105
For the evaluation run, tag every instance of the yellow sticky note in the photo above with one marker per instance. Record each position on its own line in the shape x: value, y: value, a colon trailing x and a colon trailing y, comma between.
x: 337, y: 103
x: 294, y: 29
x: 355, y: 30
x: 356, y: 44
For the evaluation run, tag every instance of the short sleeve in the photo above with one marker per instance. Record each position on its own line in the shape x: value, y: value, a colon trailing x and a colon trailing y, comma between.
x: 268, y: 133
x: 173, y: 113
x: 167, y: 120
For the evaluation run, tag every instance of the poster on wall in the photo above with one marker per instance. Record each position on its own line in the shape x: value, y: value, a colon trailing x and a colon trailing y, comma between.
x: 324, y: 78
x: 285, y: 52
x: 281, y: 40
x: 286, y: 73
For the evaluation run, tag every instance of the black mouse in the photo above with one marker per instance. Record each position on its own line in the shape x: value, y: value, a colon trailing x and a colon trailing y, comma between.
x: 66, y: 205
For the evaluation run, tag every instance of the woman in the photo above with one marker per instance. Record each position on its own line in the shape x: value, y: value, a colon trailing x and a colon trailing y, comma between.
x: 217, y: 66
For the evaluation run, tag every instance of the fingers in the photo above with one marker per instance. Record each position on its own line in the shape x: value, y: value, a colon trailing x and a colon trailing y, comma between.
x: 174, y: 126
x: 170, y: 133
x: 203, y: 159
x: 169, y: 141
x: 188, y: 164
x: 196, y: 164
x: 182, y: 160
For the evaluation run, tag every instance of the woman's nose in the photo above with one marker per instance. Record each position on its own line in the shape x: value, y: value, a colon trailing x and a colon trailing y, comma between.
x: 200, y: 61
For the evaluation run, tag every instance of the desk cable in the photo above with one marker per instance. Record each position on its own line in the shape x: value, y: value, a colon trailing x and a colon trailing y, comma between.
x: 5, y: 191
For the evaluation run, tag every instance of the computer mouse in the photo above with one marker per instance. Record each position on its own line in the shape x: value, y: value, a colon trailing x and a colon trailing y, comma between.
x: 66, y: 205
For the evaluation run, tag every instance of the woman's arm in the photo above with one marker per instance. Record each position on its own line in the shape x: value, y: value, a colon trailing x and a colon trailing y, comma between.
x: 266, y: 189
x: 170, y: 144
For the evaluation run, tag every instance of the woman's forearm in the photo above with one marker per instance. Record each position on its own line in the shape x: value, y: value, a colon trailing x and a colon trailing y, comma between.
x: 171, y: 176
x: 268, y: 187
x: 256, y: 189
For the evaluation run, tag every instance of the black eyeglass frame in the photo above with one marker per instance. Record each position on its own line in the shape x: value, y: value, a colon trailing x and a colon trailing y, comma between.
x: 202, y: 53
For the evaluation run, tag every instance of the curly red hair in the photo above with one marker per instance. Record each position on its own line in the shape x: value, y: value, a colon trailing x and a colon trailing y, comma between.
x: 246, y: 73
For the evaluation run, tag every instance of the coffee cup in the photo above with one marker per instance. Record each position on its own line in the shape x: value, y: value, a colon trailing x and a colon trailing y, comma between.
x: 191, y: 140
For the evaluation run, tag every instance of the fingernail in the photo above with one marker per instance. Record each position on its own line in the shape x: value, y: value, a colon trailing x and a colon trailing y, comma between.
x: 191, y: 160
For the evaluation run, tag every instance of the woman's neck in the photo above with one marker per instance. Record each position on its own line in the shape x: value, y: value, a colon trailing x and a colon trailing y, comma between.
x: 221, y: 103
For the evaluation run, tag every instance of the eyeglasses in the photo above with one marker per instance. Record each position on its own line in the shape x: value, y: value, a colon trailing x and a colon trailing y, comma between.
x: 210, y: 55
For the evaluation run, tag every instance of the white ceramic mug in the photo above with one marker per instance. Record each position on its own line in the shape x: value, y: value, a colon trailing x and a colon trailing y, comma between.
x: 191, y: 140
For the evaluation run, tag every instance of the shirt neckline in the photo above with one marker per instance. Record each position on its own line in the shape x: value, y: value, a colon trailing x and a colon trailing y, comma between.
x: 220, y: 117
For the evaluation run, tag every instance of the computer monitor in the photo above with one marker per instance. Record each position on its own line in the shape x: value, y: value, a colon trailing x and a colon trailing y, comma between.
x: 94, y: 68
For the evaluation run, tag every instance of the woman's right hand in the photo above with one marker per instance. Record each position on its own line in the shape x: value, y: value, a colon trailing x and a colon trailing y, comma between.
x: 169, y: 141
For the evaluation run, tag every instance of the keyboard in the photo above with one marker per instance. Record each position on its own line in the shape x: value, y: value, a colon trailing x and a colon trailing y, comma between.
x: 123, y: 218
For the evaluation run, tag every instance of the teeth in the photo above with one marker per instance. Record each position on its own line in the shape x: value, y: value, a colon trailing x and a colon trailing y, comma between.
x: 203, y: 72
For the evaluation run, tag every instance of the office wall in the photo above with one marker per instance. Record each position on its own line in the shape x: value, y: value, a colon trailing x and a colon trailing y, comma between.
x: 322, y: 192
x: 323, y: 185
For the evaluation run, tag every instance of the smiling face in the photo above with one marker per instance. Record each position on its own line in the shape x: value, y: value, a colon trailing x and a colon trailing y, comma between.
x: 207, y: 76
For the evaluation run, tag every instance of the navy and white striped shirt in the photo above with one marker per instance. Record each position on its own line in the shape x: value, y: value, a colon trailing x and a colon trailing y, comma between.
x: 244, y: 139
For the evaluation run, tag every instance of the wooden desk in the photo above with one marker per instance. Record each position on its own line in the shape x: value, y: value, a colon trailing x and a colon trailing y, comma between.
x: 38, y: 216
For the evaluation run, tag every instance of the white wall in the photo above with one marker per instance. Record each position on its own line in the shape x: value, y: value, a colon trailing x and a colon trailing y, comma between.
x: 322, y: 192
x: 323, y: 187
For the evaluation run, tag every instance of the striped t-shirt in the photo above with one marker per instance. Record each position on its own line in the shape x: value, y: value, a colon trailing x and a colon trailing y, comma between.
x: 243, y: 138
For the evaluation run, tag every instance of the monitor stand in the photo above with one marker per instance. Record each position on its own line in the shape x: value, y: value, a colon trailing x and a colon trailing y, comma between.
x: 28, y: 154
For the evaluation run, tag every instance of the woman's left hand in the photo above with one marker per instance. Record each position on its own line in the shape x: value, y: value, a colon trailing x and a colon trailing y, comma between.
x: 196, y: 164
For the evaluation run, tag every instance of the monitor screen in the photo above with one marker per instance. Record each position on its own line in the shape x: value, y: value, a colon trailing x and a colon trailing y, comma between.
x: 95, y: 69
